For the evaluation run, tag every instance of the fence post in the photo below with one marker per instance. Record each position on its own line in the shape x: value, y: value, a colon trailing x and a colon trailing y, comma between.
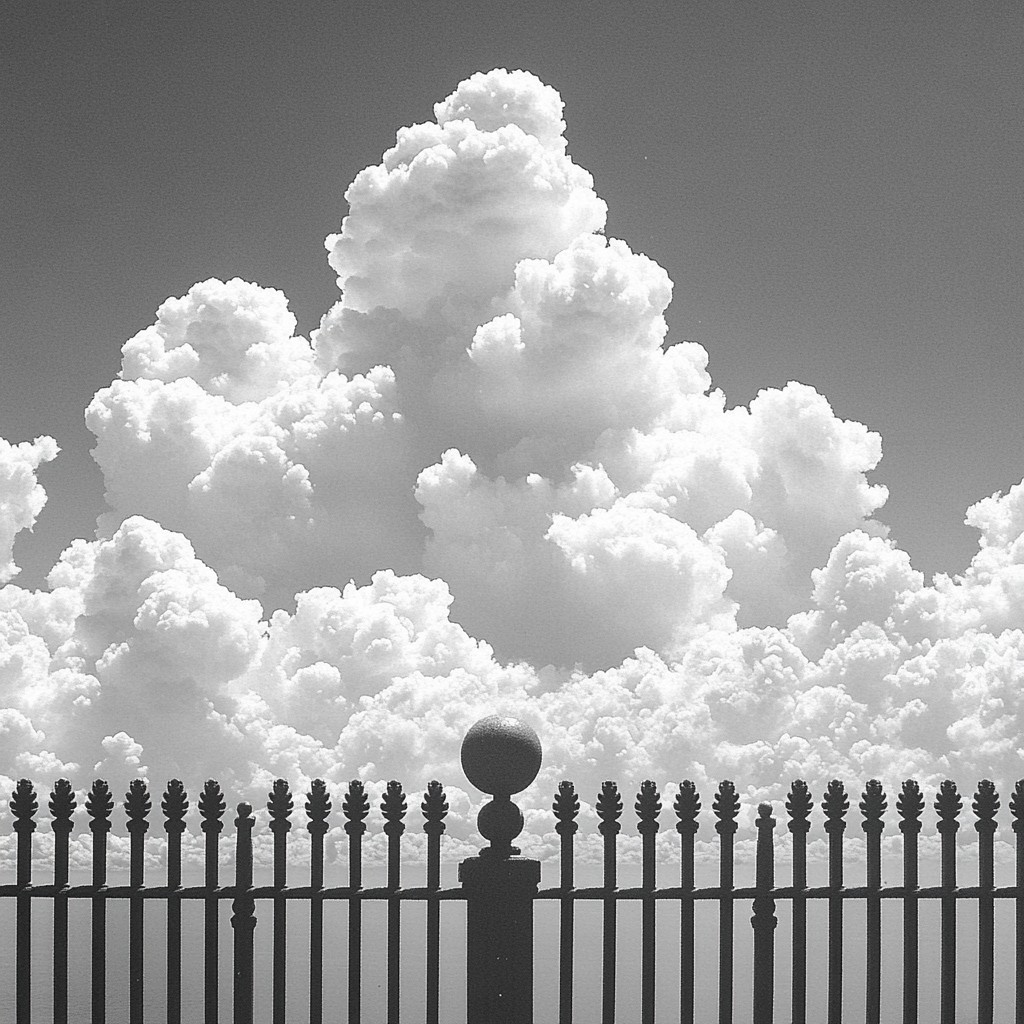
x: 243, y: 916
x: 500, y: 756
x: 764, y: 920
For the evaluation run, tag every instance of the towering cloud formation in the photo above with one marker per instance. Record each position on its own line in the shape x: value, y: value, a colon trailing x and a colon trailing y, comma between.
x: 542, y: 505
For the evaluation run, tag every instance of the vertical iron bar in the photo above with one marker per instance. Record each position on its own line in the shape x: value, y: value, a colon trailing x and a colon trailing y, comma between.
x: 279, y: 806
x: 764, y: 920
x: 1017, y: 817
x: 799, y: 804
x: 318, y: 806
x: 23, y: 807
x: 174, y: 806
x: 62, y: 806
x: 393, y: 808
x: 243, y: 917
x: 835, y: 805
x: 98, y: 806
x: 648, y: 807
x: 726, y: 806
x: 985, y: 805
x: 435, y: 809
x: 355, y: 807
x: 687, y: 807
x: 948, y: 805
x: 211, y: 810
x: 873, y: 806
x: 609, y: 810
x: 566, y: 807
x: 137, y: 806
x: 909, y: 806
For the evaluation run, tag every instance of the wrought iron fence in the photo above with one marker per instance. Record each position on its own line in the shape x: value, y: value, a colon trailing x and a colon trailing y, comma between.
x: 500, y: 889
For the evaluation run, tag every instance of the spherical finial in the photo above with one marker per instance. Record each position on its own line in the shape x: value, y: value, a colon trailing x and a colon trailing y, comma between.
x: 500, y: 755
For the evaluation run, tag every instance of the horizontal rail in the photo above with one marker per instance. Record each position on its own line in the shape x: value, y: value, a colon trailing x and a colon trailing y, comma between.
x: 344, y: 892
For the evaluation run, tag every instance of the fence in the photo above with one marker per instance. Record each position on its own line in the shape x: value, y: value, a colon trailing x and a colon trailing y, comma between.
x: 502, y: 757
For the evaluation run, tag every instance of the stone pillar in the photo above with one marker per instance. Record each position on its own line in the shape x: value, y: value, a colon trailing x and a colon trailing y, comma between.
x: 500, y: 756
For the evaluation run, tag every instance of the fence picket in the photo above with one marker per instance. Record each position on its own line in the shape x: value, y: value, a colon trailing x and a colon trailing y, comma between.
x: 174, y: 806
x: 98, y: 806
x: 687, y: 807
x: 835, y: 804
x: 909, y: 806
x: 137, y: 806
x: 726, y: 806
x: 393, y: 808
x: 279, y: 807
x: 873, y: 806
x: 609, y: 810
x: 211, y: 810
x: 566, y: 807
x: 985, y: 806
x: 318, y: 807
x: 948, y: 805
x: 24, y: 807
x: 62, y: 806
x: 355, y: 807
x: 1017, y: 814
x: 435, y: 810
x: 648, y: 807
x: 798, y: 805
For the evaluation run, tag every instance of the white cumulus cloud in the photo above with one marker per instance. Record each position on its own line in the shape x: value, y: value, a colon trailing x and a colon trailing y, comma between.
x: 490, y: 481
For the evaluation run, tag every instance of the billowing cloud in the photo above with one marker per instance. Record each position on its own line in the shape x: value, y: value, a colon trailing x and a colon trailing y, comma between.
x: 490, y: 481
x: 21, y: 496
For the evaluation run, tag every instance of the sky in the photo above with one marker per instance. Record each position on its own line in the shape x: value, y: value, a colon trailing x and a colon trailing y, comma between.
x: 533, y: 399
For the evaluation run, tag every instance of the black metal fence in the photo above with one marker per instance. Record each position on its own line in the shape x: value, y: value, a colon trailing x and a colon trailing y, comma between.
x: 500, y: 889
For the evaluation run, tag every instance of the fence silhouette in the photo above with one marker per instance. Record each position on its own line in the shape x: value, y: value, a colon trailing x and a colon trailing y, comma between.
x: 500, y: 889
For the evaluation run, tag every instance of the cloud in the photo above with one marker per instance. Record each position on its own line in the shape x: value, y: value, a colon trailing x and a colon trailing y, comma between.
x: 490, y: 481
x: 21, y: 496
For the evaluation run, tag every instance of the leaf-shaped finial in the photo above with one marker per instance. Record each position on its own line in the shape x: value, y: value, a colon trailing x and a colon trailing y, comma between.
x: 434, y: 808
x: 99, y: 805
x: 687, y: 807
x: 212, y: 806
x: 566, y: 806
x: 835, y: 803
x: 910, y: 806
x: 985, y: 805
x: 799, y: 804
x: 62, y: 806
x: 318, y: 807
x: 137, y: 805
x: 355, y: 807
x: 648, y: 807
x: 873, y: 805
x: 609, y: 809
x: 1017, y: 806
x: 24, y: 806
x: 174, y: 805
x: 726, y: 806
x: 280, y: 806
x: 393, y: 808
x: 948, y: 806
